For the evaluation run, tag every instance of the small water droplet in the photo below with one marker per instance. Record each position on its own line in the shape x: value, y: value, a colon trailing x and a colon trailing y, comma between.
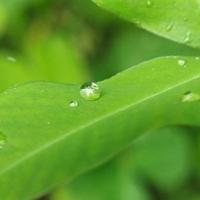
x: 182, y: 62
x: 2, y: 140
x: 197, y: 58
x: 73, y: 104
x: 48, y: 123
x: 169, y: 27
x: 190, y: 97
x: 149, y: 3
x: 11, y: 59
x: 90, y: 91
x: 187, y: 37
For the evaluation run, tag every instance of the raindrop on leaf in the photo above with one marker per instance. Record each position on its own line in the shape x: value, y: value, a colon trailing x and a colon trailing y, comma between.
x: 90, y: 91
x: 182, y: 62
x: 190, y: 97
x: 187, y: 37
x: 73, y: 104
x: 169, y: 27
x: 149, y: 3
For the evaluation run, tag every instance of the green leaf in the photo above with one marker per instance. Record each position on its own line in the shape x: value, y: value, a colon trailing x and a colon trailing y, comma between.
x: 177, y: 20
x: 109, y: 182
x: 54, y: 142
x: 170, y: 151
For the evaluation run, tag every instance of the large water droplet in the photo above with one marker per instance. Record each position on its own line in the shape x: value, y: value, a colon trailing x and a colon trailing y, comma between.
x: 73, y: 104
x: 190, y: 97
x: 182, y: 62
x: 2, y: 140
x: 90, y: 91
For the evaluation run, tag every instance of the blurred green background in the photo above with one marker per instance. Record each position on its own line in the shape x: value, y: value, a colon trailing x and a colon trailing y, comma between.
x: 73, y: 41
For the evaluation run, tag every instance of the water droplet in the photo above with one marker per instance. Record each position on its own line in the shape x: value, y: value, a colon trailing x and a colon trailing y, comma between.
x: 11, y: 59
x: 2, y: 140
x: 182, y: 62
x: 73, y: 104
x: 169, y: 27
x: 90, y: 91
x: 197, y: 58
x: 190, y: 97
x: 187, y: 37
x: 48, y: 123
x: 149, y: 3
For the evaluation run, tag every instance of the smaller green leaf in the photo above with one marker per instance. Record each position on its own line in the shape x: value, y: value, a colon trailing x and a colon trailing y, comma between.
x: 177, y: 20
x: 110, y: 182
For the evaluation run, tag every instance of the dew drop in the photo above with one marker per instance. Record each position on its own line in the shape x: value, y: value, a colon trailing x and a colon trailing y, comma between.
x: 187, y: 37
x: 182, y: 62
x: 11, y: 59
x: 149, y: 3
x: 90, y: 91
x: 169, y: 27
x: 190, y: 97
x: 2, y: 140
x: 73, y: 104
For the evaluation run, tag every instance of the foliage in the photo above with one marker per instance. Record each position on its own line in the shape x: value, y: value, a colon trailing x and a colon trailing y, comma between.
x: 140, y: 140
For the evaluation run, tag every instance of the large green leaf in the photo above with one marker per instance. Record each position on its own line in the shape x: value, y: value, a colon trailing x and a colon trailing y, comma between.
x: 45, y: 135
x: 177, y: 20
